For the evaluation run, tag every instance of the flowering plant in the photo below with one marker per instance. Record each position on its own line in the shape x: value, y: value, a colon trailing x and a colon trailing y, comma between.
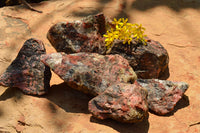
x: 124, y: 31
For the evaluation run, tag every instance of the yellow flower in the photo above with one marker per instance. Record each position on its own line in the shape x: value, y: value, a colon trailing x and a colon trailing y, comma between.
x: 117, y: 23
x: 124, y: 31
x: 124, y: 21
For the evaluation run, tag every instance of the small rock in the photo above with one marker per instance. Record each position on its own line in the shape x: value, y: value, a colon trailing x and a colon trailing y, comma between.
x: 150, y: 61
x: 163, y: 95
x: 122, y: 102
x: 90, y: 72
x: 27, y: 72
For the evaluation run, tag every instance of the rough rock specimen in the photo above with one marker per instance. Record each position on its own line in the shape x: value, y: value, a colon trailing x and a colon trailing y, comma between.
x: 27, y: 72
x: 86, y: 35
x: 90, y: 72
x: 122, y: 102
x: 163, y: 95
x: 79, y: 36
x: 148, y: 61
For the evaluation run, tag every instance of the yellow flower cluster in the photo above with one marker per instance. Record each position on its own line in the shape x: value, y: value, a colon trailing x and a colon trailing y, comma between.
x: 124, y: 31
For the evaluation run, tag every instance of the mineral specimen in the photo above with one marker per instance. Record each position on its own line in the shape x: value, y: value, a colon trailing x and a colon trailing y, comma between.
x: 27, y: 72
x: 122, y: 102
x: 163, y: 95
x: 90, y: 72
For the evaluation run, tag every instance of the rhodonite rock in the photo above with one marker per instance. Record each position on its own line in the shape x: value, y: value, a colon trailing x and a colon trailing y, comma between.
x: 27, y: 72
x: 163, y: 95
x: 79, y: 36
x: 148, y: 61
x: 90, y: 72
x: 122, y: 102
x: 86, y: 35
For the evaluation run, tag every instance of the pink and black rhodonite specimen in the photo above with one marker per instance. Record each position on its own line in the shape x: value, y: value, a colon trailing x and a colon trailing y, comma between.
x: 90, y: 72
x: 27, y: 72
x: 163, y: 95
x: 122, y: 102
x: 86, y: 35
x: 79, y: 36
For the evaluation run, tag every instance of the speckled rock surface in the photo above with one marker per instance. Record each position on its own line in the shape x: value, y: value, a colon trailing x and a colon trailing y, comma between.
x: 149, y: 61
x: 79, y: 36
x: 27, y: 72
x: 122, y: 102
x: 90, y: 72
x: 163, y: 95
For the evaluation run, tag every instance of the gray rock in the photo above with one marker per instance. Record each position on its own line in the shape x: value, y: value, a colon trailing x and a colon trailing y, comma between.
x: 163, y: 95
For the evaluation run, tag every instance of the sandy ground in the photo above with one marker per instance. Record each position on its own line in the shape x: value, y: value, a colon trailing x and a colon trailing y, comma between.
x: 175, y: 24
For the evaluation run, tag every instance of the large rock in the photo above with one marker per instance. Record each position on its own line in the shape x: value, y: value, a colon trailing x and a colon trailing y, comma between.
x: 122, y: 102
x: 148, y: 61
x: 79, y: 36
x: 86, y: 35
x: 163, y: 95
x: 90, y: 72
x: 27, y: 72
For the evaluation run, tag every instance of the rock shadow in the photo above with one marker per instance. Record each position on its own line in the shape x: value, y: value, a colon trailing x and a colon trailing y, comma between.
x: 104, y: 1
x: 16, y: 2
x: 101, y: 5
x: 3, y: 130
x: 182, y: 103
x: 122, y: 14
x: 86, y: 12
x: 175, y: 5
x: 11, y: 92
x: 141, y: 127
x: 68, y: 99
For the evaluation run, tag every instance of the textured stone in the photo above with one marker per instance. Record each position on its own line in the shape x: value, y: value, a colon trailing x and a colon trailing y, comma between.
x: 27, y: 72
x: 79, y: 36
x: 90, y: 72
x: 122, y: 102
x: 163, y: 95
x: 149, y: 61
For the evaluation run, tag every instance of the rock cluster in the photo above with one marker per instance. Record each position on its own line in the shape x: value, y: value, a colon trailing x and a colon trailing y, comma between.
x: 112, y: 81
x: 149, y: 61
x: 108, y: 77
x: 82, y: 63
x: 27, y: 72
